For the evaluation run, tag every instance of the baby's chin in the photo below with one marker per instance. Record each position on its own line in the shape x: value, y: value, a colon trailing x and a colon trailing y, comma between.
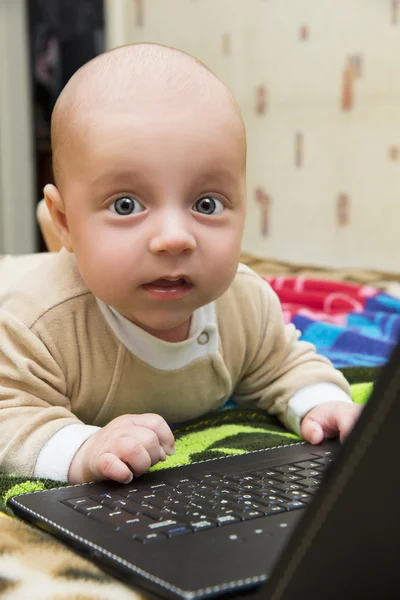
x: 164, y: 327
x: 174, y: 334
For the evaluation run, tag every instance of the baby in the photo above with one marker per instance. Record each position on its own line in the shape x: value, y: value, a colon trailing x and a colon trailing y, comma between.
x: 145, y: 316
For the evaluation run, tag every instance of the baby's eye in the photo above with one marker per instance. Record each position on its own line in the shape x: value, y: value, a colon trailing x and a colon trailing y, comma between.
x: 208, y: 206
x: 126, y: 206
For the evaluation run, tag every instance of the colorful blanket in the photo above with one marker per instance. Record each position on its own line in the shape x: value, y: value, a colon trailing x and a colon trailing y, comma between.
x: 355, y: 326
x: 352, y: 325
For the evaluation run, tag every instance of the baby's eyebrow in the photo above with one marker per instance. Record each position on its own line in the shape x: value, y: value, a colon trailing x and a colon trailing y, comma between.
x: 119, y: 177
x: 223, y: 176
x: 205, y: 178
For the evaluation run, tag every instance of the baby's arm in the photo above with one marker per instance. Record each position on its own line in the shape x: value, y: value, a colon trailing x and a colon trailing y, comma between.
x: 36, y: 417
x: 33, y: 400
x: 285, y: 375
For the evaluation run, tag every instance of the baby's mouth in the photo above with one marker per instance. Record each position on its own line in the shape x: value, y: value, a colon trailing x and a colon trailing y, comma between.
x: 169, y: 283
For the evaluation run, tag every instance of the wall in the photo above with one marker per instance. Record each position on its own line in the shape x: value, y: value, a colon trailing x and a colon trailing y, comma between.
x: 318, y: 83
x: 17, y: 205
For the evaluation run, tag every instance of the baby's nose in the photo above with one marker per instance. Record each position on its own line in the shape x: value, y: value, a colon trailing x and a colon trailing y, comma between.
x: 173, y: 239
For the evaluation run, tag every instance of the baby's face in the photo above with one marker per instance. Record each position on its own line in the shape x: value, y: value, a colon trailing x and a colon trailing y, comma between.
x: 155, y: 204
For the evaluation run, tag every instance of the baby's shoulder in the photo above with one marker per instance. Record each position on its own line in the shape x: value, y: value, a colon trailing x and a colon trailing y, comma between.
x: 34, y: 285
x: 246, y: 275
x: 247, y: 298
x: 247, y: 286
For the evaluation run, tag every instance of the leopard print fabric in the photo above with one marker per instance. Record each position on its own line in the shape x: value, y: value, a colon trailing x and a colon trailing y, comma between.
x: 35, y: 566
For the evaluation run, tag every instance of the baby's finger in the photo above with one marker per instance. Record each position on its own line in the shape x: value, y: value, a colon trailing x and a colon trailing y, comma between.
x: 312, y: 431
x: 132, y: 452
x: 109, y: 466
x: 346, y: 424
x: 149, y: 440
x: 160, y: 427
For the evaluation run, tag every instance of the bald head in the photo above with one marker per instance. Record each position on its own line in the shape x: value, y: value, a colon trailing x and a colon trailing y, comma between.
x: 133, y: 78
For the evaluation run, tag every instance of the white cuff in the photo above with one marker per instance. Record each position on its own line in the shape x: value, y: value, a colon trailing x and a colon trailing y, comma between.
x: 56, y: 455
x: 310, y: 397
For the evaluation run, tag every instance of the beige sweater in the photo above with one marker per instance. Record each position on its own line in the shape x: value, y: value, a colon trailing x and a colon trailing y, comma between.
x: 61, y: 364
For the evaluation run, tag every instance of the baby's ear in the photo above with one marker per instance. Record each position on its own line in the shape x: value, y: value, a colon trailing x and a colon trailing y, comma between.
x: 49, y: 232
x: 56, y: 209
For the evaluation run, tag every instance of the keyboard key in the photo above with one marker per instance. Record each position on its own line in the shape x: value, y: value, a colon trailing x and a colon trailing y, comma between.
x: 270, y: 499
x: 213, y: 481
x: 227, y: 519
x: 152, y: 511
x: 177, y: 508
x: 180, y: 530
x: 149, y: 537
x: 311, y: 473
x: 243, y: 497
x: 160, y: 524
x: 136, y: 525
x: 102, y: 497
x: 115, y: 518
x: 127, y: 491
x: 202, y: 507
x: 327, y: 455
x: 325, y: 460
x: 210, y: 476
x: 195, y: 516
x: 223, y: 501
x: 308, y: 483
x: 165, y: 526
x: 267, y: 473
x: 177, y: 481
x: 159, y: 502
x: 220, y: 510
x: 246, y: 515
x: 307, y: 500
x: 90, y: 507
x: 307, y: 464
x: 228, y: 491
x: 288, y: 487
x: 270, y: 491
x: 247, y: 488
x: 81, y: 501
x: 271, y: 482
x: 285, y: 478
x: 272, y: 510
x: 242, y: 478
x: 244, y: 503
x: 294, y: 505
x: 136, y: 496
x: 145, y: 498
x: 181, y: 492
x: 185, y: 487
x: 292, y: 468
x: 116, y: 501
x: 206, y: 495
x: 157, y: 488
x: 298, y: 495
x: 200, y: 525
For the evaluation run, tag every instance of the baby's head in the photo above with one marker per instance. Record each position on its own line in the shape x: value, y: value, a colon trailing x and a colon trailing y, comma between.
x: 149, y: 155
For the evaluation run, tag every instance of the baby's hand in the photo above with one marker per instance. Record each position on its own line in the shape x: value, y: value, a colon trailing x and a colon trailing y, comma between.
x: 328, y: 420
x: 128, y: 444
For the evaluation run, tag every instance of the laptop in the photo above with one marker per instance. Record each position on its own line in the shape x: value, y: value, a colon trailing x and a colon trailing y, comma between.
x: 286, y: 523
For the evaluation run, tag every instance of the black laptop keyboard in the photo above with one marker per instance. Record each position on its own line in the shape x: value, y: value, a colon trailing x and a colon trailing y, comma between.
x: 191, y: 504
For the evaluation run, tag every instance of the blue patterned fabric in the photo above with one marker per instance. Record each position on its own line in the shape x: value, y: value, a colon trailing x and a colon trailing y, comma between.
x: 366, y: 339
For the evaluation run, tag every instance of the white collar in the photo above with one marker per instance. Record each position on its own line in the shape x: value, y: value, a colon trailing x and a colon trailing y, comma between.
x: 166, y: 356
